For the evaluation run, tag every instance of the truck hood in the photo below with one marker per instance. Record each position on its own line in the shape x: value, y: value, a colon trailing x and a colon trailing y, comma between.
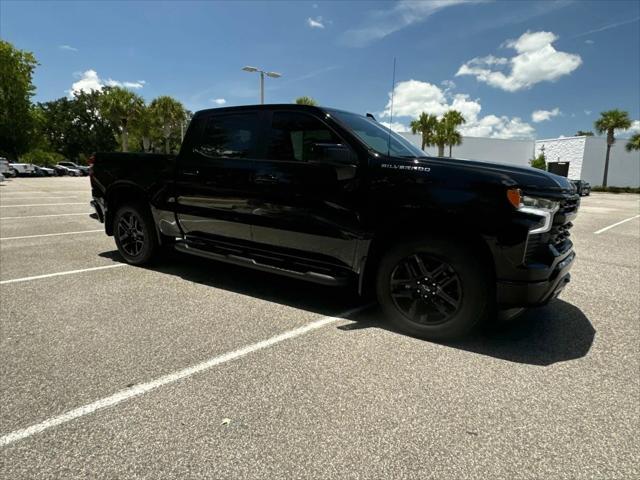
x: 527, y: 178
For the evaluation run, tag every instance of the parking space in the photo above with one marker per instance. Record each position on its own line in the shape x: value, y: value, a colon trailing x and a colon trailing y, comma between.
x: 293, y: 380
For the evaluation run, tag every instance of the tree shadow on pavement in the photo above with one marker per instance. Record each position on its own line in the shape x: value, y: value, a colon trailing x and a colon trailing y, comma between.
x: 542, y: 336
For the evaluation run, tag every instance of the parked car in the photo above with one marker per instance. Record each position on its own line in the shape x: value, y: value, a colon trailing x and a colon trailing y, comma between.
x: 2, y: 178
x: 5, y: 169
x: 22, y: 169
x: 84, y: 170
x: 60, y: 171
x: 44, y: 171
x: 583, y: 188
x: 64, y: 170
x: 335, y: 198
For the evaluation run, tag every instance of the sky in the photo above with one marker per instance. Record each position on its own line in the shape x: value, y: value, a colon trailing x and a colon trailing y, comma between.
x: 515, y: 69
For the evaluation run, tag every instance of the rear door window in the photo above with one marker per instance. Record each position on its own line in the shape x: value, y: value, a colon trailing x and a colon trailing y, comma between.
x: 229, y: 136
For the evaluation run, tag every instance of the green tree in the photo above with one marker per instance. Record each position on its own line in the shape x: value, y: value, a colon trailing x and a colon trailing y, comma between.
x: 74, y: 126
x: 633, y: 143
x: 608, y: 122
x: 306, y: 101
x: 145, y: 127
x: 169, y: 115
x: 16, y: 90
x: 452, y: 120
x: 539, y: 162
x: 584, y: 133
x: 41, y: 157
x: 441, y: 136
x: 425, y: 124
x: 121, y: 106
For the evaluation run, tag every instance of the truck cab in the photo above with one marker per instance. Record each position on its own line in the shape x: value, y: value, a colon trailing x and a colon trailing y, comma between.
x: 335, y: 198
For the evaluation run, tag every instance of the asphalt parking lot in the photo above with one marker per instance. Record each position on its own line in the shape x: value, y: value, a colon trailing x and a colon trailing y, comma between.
x: 195, y: 369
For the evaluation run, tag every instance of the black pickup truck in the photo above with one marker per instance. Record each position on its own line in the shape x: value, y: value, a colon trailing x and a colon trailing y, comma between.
x: 335, y: 198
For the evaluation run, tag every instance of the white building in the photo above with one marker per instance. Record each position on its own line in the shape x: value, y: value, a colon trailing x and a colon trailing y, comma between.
x: 514, y: 152
x: 586, y: 157
x: 575, y: 157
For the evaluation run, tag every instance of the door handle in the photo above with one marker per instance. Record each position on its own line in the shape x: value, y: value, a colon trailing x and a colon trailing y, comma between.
x: 266, y: 179
x: 191, y: 173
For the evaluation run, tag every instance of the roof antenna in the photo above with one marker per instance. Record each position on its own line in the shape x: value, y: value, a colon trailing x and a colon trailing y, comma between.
x: 393, y: 88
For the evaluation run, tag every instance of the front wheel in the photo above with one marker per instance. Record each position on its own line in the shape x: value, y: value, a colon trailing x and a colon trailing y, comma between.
x: 434, y: 288
x: 135, y: 234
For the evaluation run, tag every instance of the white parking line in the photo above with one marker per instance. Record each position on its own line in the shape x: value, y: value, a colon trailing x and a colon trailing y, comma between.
x: 42, y: 216
x: 31, y: 192
x: 59, y: 274
x: 52, y: 234
x: 143, y: 388
x: 615, y: 224
x: 42, y: 205
x: 39, y: 197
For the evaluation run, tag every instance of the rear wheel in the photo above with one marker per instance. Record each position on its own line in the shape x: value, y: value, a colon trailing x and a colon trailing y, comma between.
x: 434, y: 288
x: 135, y: 235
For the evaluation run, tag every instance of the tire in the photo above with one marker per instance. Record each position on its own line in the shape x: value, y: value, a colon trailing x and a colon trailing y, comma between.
x: 135, y: 234
x: 434, y: 288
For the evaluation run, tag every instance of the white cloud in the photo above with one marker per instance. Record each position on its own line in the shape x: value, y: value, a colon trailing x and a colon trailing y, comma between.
x: 90, y: 81
x: 589, y: 42
x: 69, y: 48
x: 115, y: 83
x: 413, y: 97
x: 632, y: 130
x: 315, y: 22
x: 587, y: 112
x: 219, y: 101
x: 380, y: 23
x: 544, y: 115
x: 536, y: 61
x: 396, y: 126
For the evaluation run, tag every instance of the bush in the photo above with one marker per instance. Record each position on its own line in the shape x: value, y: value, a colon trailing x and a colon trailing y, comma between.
x: 41, y: 158
x: 600, y: 188
x: 539, y: 162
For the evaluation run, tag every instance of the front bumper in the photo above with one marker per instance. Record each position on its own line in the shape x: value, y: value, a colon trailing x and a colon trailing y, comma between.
x: 530, y: 294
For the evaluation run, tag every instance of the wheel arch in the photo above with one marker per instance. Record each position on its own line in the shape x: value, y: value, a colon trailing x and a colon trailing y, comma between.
x: 394, y: 233
x: 120, y: 194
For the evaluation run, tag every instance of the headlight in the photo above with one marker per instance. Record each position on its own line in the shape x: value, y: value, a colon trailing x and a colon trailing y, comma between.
x: 542, y: 203
x: 542, y: 207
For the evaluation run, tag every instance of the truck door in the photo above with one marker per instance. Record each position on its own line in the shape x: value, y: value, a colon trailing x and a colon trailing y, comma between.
x: 214, y: 177
x: 306, y: 184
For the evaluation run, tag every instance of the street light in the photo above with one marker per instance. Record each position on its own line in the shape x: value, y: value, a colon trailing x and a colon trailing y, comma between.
x: 262, y: 74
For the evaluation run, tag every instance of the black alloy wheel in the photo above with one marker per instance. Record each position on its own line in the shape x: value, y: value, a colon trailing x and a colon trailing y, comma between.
x: 134, y: 232
x: 425, y: 289
x: 131, y: 234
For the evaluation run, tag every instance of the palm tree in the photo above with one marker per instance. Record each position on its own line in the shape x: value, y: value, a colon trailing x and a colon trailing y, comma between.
x: 441, y: 136
x: 452, y: 119
x: 169, y: 114
x: 144, y: 126
x: 425, y: 124
x: 121, y: 107
x: 306, y: 101
x: 608, y: 122
x: 633, y: 143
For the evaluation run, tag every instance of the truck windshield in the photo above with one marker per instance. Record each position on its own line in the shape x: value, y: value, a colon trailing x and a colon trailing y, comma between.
x: 378, y: 137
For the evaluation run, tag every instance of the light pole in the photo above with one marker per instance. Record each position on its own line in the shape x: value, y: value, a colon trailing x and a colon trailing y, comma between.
x: 262, y: 74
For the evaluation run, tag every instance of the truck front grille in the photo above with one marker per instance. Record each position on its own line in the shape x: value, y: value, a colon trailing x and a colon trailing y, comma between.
x: 539, y: 246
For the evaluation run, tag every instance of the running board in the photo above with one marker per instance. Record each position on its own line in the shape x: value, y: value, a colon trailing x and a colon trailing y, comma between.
x: 310, y: 276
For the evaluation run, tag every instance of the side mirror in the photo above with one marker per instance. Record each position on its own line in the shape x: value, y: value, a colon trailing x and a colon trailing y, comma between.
x: 332, y: 153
